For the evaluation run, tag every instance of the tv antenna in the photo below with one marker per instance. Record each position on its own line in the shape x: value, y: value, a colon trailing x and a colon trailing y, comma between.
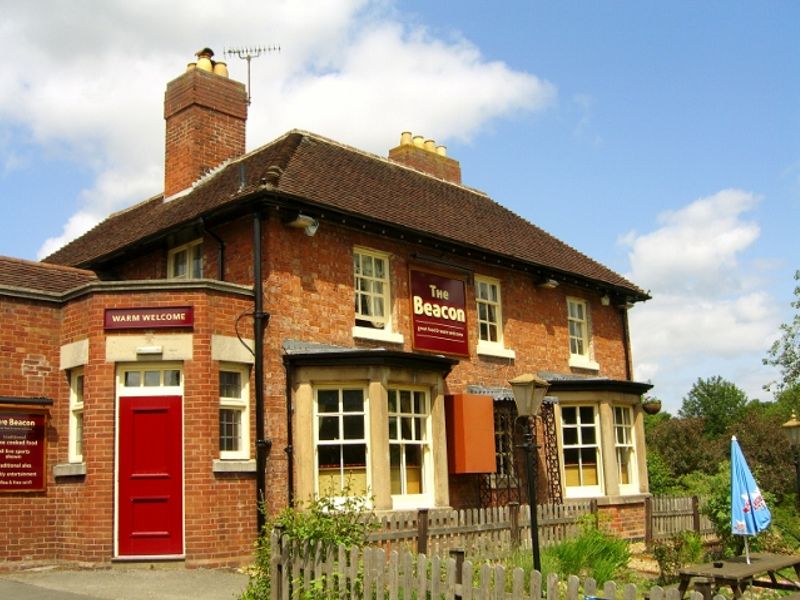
x: 249, y: 53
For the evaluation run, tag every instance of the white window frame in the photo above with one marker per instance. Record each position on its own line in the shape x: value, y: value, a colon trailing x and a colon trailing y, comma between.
x: 420, y: 436
x: 342, y: 441
x: 624, y: 442
x: 76, y: 413
x: 483, y: 291
x: 190, y: 249
x: 382, y: 328
x: 582, y: 491
x: 581, y: 351
x: 240, y: 404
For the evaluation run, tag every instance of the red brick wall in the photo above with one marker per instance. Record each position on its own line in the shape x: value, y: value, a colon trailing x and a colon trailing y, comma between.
x: 29, y: 368
x: 624, y: 520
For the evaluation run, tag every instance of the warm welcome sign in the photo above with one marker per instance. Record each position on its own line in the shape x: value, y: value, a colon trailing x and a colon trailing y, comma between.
x: 439, y: 313
x: 149, y: 318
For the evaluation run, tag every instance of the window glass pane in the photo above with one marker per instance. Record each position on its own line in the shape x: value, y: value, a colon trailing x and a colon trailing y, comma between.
x: 569, y: 414
x: 392, y: 401
x: 328, y: 401
x: 570, y: 436
x: 405, y: 401
x: 133, y: 378
x: 366, y: 266
x: 79, y: 389
x: 353, y: 426
x: 419, y: 429
x: 419, y: 400
x: 152, y: 378
x: 172, y: 377
x: 197, y: 261
x: 78, y: 433
x: 392, y: 428
x: 587, y: 414
x: 588, y: 435
x: 328, y: 428
x: 229, y: 430
x: 395, y: 470
x: 413, y: 470
x: 353, y: 401
x: 230, y: 384
x: 179, y: 264
x: 405, y: 428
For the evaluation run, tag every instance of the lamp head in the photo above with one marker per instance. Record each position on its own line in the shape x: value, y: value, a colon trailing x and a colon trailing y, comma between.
x: 529, y: 392
x: 792, y: 429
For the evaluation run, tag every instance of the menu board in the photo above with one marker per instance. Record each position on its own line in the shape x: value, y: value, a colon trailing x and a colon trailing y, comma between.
x: 22, y: 449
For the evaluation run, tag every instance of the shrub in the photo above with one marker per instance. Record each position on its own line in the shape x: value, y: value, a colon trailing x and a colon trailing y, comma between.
x: 679, y: 550
x: 325, y: 523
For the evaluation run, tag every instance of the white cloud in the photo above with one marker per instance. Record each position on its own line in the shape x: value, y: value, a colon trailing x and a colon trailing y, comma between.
x: 86, y: 81
x: 709, y: 315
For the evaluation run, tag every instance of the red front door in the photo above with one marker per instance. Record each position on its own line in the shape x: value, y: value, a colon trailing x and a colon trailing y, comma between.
x: 150, y: 476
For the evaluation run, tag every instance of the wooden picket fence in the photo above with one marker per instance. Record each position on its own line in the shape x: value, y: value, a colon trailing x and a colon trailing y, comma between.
x: 489, y: 532
x: 666, y: 516
x: 301, y: 572
x: 493, y: 532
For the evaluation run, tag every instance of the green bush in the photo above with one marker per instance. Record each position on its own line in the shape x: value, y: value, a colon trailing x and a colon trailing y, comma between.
x: 325, y: 523
x: 679, y: 550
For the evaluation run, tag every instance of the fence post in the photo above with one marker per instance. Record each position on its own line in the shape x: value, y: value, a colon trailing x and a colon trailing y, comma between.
x: 595, y: 512
x: 513, y: 514
x: 696, y: 514
x: 422, y: 531
x: 648, y: 521
x: 457, y: 554
x: 276, y: 566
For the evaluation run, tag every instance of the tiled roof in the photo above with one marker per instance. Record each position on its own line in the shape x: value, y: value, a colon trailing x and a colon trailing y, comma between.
x: 21, y: 274
x: 339, y: 178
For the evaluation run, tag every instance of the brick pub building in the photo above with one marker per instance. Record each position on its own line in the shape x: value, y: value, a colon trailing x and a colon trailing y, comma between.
x: 303, y: 319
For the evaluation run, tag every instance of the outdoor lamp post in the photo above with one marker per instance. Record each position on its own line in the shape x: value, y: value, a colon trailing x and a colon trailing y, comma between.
x: 792, y: 429
x: 529, y: 392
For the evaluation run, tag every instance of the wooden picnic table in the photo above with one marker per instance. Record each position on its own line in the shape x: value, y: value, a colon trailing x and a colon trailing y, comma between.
x: 736, y: 573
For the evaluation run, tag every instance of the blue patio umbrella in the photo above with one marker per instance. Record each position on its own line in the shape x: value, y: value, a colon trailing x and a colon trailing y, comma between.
x: 749, y: 512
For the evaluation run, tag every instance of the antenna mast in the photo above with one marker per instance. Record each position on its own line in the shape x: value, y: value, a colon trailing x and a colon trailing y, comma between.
x: 248, y: 54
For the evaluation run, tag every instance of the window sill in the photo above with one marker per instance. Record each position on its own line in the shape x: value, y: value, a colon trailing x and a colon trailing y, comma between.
x: 581, y: 362
x: 377, y: 334
x: 233, y: 466
x: 490, y: 349
x: 70, y: 470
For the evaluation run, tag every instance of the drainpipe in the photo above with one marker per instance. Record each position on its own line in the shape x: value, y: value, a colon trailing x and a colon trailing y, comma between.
x: 623, y: 310
x: 260, y: 320
x: 289, y: 434
x: 220, y: 251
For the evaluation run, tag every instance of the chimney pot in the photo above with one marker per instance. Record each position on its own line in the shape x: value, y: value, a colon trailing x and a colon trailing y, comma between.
x: 419, y: 141
x: 405, y: 138
x: 430, y: 145
x: 441, y: 150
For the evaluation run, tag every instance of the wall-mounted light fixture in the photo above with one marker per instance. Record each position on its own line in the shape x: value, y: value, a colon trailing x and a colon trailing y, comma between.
x: 546, y: 283
x: 308, y: 224
x: 605, y: 300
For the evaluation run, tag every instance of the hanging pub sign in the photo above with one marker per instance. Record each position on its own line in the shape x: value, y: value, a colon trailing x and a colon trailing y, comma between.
x: 149, y: 318
x: 439, y: 313
x: 23, y: 446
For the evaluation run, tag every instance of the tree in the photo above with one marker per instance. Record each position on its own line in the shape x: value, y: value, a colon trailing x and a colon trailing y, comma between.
x: 717, y: 401
x: 785, y: 352
x: 684, y: 447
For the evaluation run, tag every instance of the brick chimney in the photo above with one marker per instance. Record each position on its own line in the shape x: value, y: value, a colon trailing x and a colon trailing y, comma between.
x: 424, y: 155
x: 206, y: 114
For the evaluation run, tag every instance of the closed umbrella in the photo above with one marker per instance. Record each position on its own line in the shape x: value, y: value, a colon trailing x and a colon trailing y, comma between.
x: 749, y: 512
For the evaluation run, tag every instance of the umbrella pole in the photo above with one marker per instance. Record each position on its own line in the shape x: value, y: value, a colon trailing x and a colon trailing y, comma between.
x: 747, y: 549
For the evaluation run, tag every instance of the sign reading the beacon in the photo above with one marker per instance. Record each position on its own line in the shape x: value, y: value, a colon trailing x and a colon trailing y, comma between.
x: 439, y: 313
x: 149, y: 318
x: 22, y: 450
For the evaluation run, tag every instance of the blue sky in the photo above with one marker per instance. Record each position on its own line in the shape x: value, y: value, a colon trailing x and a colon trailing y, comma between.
x: 662, y: 139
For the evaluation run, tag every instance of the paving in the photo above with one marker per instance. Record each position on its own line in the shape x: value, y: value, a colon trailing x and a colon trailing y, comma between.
x: 121, y: 584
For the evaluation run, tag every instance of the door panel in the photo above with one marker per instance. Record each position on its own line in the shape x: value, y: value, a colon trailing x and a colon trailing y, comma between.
x: 150, y: 476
